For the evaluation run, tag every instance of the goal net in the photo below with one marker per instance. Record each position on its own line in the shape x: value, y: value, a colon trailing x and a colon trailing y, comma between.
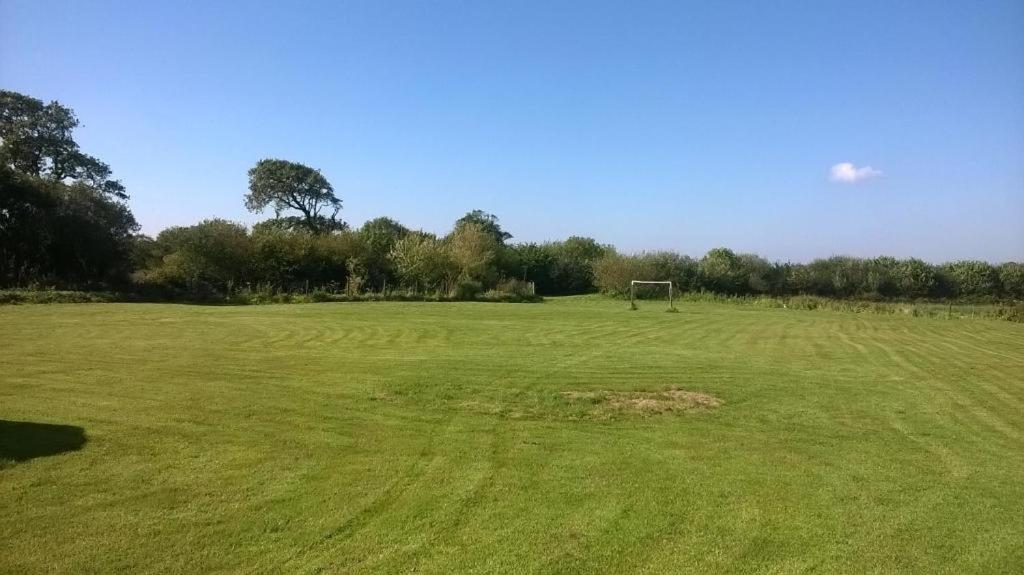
x: 641, y: 289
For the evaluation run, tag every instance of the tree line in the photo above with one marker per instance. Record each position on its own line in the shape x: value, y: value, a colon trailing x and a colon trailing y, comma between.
x: 725, y: 272
x: 65, y: 222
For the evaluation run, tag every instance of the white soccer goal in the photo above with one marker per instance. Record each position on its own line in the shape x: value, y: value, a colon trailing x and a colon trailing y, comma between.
x: 632, y: 292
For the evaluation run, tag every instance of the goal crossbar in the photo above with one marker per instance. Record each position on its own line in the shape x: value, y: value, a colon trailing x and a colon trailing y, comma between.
x: 634, y: 283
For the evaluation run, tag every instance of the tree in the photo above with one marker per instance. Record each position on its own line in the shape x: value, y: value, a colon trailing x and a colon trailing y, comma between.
x: 90, y: 236
x: 299, y: 259
x: 757, y: 274
x: 487, y: 222
x: 474, y: 250
x: 422, y: 261
x: 882, y: 277
x: 532, y: 262
x: 211, y: 255
x: 66, y: 234
x: 283, y: 185
x: 1011, y: 276
x: 24, y: 228
x: 914, y: 278
x: 613, y: 272
x: 973, y: 278
x: 722, y: 271
x: 379, y: 236
x: 573, y: 268
x: 35, y: 139
x: 62, y: 219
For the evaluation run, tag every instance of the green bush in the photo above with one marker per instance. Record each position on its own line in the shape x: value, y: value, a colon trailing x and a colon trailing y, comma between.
x: 467, y: 290
x: 1011, y: 312
x: 28, y: 296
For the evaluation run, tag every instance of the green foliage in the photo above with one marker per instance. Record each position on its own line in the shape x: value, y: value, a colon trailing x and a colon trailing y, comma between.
x: 757, y: 275
x: 572, y: 269
x: 209, y: 257
x: 973, y: 278
x: 36, y: 140
x: 557, y: 268
x: 423, y: 261
x: 1011, y: 277
x: 532, y: 261
x: 62, y: 217
x: 1014, y: 312
x: 467, y: 290
x: 44, y: 296
x: 613, y: 272
x: 722, y: 271
x: 294, y: 260
x: 486, y: 222
x: 517, y: 288
x: 914, y: 278
x: 282, y: 185
x: 474, y: 251
x: 67, y: 234
x: 379, y: 237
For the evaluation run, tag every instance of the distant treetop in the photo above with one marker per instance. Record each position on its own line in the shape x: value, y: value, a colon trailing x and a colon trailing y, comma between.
x: 283, y: 185
x: 488, y: 222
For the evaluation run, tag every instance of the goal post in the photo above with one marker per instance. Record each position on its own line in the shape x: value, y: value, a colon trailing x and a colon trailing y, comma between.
x: 632, y: 291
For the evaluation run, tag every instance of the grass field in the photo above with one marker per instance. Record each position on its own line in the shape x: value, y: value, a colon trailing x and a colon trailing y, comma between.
x: 390, y: 437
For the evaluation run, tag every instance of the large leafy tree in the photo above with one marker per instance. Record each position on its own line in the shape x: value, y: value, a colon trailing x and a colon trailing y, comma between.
x: 36, y: 139
x: 62, y: 218
x: 282, y: 186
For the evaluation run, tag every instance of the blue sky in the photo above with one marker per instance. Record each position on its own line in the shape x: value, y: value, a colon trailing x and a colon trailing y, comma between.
x: 647, y: 125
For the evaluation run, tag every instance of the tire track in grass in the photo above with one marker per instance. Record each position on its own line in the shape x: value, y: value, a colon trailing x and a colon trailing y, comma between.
x: 384, y: 500
x: 458, y: 515
x: 836, y: 330
x: 447, y: 520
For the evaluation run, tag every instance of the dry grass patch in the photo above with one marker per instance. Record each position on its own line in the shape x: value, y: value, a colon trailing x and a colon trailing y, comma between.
x: 644, y: 402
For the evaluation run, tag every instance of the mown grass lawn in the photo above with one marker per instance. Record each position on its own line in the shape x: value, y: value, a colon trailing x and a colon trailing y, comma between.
x: 391, y: 437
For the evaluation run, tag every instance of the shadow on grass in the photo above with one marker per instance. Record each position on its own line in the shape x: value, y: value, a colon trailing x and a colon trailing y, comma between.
x: 24, y: 440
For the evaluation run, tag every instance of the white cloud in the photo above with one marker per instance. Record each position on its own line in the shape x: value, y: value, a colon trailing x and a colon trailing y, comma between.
x: 847, y: 173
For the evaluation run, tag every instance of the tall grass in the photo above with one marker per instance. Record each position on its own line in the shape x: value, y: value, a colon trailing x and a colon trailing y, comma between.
x: 511, y: 291
x: 1010, y: 311
x: 27, y: 296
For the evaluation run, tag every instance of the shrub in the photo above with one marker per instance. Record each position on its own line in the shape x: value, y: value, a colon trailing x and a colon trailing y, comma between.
x: 973, y: 278
x: 467, y: 290
x: 29, y: 296
x: 1011, y: 276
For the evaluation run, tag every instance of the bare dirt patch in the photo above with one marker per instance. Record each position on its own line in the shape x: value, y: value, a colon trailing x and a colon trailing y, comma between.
x: 643, y: 402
